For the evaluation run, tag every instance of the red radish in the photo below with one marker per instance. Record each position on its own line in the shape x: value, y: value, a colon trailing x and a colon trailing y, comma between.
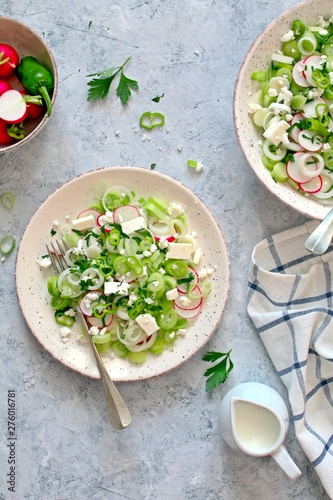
x: 100, y: 322
x: 13, y: 108
x: 309, y: 109
x: 310, y: 140
x: 312, y: 186
x: 293, y: 170
x: 298, y: 76
x: 5, y: 138
x: 310, y: 63
x: 4, y: 86
x: 34, y: 110
x: 89, y: 211
x: 182, y: 287
x: 9, y: 59
x: 294, y: 133
x: 88, y: 301
x: 125, y: 213
x: 102, y: 221
x: 311, y: 164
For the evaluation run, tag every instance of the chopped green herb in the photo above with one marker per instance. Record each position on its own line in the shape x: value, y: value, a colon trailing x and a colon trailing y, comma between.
x: 158, y: 98
x: 217, y: 374
x: 153, y: 166
x: 89, y: 24
x: 53, y: 232
x: 99, y: 87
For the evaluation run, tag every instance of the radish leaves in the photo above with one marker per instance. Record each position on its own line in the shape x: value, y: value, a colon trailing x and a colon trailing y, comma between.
x: 100, y: 86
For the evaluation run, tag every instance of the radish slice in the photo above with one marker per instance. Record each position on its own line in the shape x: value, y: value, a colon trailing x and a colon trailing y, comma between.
x: 325, y: 191
x: 187, y: 313
x: 13, y: 108
x: 293, y: 169
x: 162, y: 230
x: 295, y: 131
x: 182, y: 287
x: 105, y: 221
x: 313, y: 186
x: 125, y: 213
x: 309, y: 109
x: 99, y: 322
x: 298, y: 76
x: 310, y: 140
x: 293, y: 146
x: 310, y: 165
x: 89, y: 211
x: 189, y: 303
x: 88, y: 301
x: 311, y: 63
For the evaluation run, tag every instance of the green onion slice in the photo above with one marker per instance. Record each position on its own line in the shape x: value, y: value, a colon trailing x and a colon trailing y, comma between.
x: 7, y: 244
x: 7, y: 199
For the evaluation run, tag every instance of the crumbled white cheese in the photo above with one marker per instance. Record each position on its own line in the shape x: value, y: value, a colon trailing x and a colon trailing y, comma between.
x: 272, y: 92
x: 290, y: 35
x: 93, y: 330
x: 175, y: 209
x: 45, y: 262
x: 285, y: 96
x: 163, y: 243
x: 253, y: 107
x: 65, y: 332
x: 70, y: 312
x: 172, y: 294
x: 197, y: 256
x: 184, y: 301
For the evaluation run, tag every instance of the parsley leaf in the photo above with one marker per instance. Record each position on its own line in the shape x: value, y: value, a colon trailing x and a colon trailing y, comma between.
x: 100, y: 85
x: 217, y: 374
x: 124, y: 87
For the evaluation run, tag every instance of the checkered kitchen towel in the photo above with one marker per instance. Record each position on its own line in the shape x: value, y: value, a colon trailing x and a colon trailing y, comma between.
x: 291, y: 306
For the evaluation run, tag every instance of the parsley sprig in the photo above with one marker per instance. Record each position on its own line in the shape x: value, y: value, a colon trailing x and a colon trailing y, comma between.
x: 100, y: 86
x: 217, y: 374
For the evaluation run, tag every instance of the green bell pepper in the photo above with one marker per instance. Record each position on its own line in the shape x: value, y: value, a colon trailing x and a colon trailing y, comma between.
x: 36, y: 79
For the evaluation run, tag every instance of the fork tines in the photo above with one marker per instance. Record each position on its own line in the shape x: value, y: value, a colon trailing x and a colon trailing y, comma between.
x: 56, y: 254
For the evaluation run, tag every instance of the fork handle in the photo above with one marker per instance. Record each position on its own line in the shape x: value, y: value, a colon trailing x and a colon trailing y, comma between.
x: 119, y: 414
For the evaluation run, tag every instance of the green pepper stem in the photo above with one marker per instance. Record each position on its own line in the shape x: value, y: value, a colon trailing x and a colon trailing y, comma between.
x: 43, y: 91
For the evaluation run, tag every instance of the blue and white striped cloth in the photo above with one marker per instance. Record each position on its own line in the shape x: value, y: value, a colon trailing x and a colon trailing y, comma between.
x: 291, y: 306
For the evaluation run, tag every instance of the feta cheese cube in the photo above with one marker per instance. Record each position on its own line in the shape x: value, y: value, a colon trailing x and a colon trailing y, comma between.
x: 83, y: 223
x: 132, y: 225
x: 274, y: 133
x: 179, y: 251
x: 147, y: 322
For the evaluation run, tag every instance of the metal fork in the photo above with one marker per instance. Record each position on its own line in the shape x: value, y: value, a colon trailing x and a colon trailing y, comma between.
x: 119, y: 414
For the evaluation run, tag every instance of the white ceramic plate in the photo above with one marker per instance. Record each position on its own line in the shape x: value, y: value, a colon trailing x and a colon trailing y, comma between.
x: 69, y: 200
x: 258, y: 58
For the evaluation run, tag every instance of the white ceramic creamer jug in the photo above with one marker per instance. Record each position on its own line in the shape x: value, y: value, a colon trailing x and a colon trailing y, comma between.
x: 253, y: 418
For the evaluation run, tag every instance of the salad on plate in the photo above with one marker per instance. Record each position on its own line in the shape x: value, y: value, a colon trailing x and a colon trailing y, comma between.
x: 133, y: 268
x: 293, y: 109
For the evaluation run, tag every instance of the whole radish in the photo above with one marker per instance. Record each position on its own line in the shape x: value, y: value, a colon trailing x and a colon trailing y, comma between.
x: 34, y: 110
x: 4, y: 86
x: 5, y: 138
x: 9, y: 59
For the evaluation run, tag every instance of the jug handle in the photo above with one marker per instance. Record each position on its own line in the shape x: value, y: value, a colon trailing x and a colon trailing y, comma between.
x: 284, y: 460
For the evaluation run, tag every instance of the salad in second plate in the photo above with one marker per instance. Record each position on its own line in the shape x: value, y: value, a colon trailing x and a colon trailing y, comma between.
x: 293, y: 108
x: 133, y: 272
